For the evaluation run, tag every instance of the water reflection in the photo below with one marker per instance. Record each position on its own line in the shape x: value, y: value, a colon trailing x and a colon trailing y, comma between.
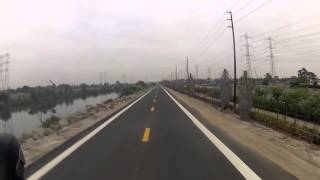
x: 23, y: 120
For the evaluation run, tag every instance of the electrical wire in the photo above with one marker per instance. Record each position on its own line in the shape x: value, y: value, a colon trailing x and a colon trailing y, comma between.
x: 251, y: 12
x: 288, y: 25
x: 243, y: 7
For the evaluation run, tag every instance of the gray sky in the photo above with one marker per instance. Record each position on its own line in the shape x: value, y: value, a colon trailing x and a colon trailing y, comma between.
x: 71, y: 41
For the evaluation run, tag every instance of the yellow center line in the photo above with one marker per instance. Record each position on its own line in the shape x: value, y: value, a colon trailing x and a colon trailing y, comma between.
x: 146, y: 135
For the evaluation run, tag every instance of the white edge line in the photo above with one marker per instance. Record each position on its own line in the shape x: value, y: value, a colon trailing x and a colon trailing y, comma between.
x: 232, y: 157
x: 50, y: 165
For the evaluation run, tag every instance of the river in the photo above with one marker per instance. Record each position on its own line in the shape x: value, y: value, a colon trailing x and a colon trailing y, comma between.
x: 23, y: 122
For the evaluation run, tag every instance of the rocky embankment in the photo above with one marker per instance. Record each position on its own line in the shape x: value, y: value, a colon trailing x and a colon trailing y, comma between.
x: 42, y: 140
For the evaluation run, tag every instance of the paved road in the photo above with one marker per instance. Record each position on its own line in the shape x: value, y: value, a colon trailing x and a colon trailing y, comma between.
x: 152, y: 140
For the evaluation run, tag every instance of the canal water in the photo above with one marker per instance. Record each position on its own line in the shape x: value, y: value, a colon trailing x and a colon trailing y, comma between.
x: 23, y: 122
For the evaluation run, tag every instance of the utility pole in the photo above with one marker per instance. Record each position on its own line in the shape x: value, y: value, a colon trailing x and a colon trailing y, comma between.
x: 271, y: 56
x: 248, y: 55
x: 209, y: 73
x: 197, y: 72
x: 124, y: 78
x: 188, y: 76
x: 234, y: 61
x: 176, y: 73
x: 105, y: 77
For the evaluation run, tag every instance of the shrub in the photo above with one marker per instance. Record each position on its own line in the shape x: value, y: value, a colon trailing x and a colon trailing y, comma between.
x: 49, y: 121
x: 108, y: 101
x: 303, y: 132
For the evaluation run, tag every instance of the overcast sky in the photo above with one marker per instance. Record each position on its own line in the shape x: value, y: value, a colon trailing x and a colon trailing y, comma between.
x: 71, y: 41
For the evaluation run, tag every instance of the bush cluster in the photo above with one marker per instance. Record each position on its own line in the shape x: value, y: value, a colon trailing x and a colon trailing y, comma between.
x: 49, y: 121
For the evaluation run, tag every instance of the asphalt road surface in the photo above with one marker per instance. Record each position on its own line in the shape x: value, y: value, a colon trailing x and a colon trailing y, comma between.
x: 154, y: 139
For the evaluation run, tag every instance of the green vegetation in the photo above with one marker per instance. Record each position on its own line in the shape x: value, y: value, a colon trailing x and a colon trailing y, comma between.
x: 298, y: 103
x: 295, y: 97
x: 39, y: 100
x: 305, y: 79
x: 49, y: 121
x: 303, y: 132
x: 133, y: 88
x: 210, y: 91
x: 107, y: 101
x: 267, y: 79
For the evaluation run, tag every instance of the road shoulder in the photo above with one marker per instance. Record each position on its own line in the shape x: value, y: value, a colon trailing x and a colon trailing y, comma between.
x: 296, y: 157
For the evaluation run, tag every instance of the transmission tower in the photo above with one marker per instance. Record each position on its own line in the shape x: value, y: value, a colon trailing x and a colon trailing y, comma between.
x: 271, y: 57
x: 248, y: 55
x: 4, y: 71
x: 105, y: 77
x: 187, y: 68
x: 124, y: 78
x: 209, y: 73
x: 176, y: 73
x: 197, y: 72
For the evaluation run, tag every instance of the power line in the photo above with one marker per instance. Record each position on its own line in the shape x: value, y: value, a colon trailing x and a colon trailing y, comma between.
x: 233, y: 5
x: 299, y: 36
x: 295, y: 30
x: 211, y: 33
x: 216, y: 37
x: 254, y: 10
x: 288, y: 25
x: 209, y: 36
x: 243, y: 7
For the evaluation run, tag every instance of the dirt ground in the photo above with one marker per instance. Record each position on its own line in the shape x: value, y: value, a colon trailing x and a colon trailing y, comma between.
x: 43, y: 140
x: 297, y: 157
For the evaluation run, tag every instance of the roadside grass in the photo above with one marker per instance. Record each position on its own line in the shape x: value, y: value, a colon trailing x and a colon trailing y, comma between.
x: 49, y: 121
x: 311, y: 135
x: 305, y: 133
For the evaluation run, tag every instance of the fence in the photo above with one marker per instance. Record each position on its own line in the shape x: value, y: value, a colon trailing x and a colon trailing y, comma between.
x: 298, y: 128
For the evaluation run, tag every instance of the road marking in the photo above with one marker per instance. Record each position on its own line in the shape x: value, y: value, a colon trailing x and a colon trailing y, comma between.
x: 155, y: 100
x: 152, y: 109
x: 231, y: 156
x: 146, y: 135
x: 50, y: 165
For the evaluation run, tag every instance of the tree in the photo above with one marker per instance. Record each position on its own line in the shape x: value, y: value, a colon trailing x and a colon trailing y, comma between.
x: 141, y: 83
x: 305, y: 76
x: 276, y: 94
x: 267, y: 79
